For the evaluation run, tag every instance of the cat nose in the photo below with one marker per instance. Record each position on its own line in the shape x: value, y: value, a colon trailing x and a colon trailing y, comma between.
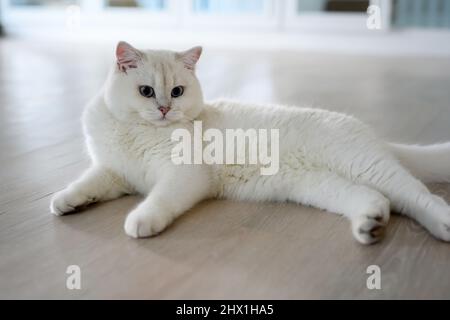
x: 164, y: 110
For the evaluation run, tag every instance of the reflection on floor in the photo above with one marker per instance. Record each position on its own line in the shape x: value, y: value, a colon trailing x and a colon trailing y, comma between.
x: 220, y: 249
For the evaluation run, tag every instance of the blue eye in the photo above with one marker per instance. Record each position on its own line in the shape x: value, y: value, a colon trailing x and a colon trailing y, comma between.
x: 177, y: 92
x: 147, y: 91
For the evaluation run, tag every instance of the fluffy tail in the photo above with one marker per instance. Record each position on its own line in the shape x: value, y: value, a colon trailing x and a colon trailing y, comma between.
x: 428, y: 163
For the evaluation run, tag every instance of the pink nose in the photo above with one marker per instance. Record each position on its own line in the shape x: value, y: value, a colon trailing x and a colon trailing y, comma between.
x: 164, y: 110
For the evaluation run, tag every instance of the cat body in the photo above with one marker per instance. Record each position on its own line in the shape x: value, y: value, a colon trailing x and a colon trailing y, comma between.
x: 326, y: 159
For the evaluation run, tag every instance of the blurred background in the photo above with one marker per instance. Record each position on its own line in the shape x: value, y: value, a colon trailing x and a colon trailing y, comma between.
x: 263, y: 23
x: 256, y: 50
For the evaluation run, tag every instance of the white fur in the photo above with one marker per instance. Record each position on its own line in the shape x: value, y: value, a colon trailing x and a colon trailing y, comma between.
x: 428, y: 163
x: 327, y: 160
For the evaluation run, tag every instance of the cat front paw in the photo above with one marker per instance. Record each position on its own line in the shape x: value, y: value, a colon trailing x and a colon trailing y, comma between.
x: 66, y: 201
x: 146, y: 222
x: 369, y: 228
x: 444, y: 232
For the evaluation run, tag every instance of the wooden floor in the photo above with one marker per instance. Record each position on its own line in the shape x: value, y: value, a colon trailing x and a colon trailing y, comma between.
x: 220, y: 250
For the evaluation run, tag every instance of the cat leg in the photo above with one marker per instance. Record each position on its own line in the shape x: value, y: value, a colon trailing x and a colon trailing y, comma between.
x: 172, y: 195
x: 367, y: 209
x: 409, y: 196
x: 95, y: 185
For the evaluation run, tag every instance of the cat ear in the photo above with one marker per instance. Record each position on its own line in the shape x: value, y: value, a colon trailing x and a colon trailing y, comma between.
x: 191, y: 57
x: 127, y: 56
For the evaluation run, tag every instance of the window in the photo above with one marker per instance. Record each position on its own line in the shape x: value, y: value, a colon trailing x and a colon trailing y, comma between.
x: 48, y: 3
x: 333, y: 5
x: 328, y: 15
x: 34, y: 15
x: 233, y: 14
x: 202, y: 15
x: 93, y: 14
x: 154, y: 5
x: 229, y: 7
x: 422, y: 13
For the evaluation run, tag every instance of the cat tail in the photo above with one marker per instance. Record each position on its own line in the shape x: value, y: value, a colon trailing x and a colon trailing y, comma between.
x: 428, y: 163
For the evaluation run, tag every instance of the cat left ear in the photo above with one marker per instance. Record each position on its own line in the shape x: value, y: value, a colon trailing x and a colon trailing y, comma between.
x: 191, y: 57
x: 127, y: 56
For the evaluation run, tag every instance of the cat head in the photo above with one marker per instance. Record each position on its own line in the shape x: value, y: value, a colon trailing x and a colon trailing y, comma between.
x: 159, y: 87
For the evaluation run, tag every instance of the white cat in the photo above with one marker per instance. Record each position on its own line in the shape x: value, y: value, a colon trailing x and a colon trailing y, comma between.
x: 327, y: 160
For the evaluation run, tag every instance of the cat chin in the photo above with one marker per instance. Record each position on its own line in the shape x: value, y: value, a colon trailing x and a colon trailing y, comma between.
x: 162, y: 122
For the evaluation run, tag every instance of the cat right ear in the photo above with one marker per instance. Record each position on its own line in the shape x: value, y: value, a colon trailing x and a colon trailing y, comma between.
x: 127, y: 56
